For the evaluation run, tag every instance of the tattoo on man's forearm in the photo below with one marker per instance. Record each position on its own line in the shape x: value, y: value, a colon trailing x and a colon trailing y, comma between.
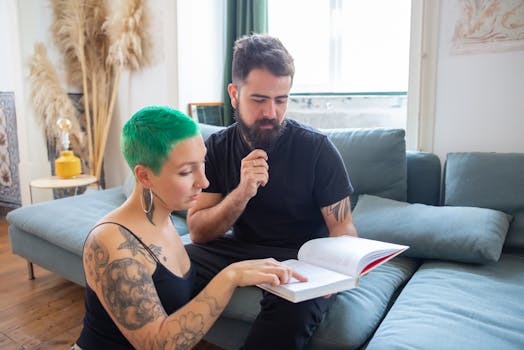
x: 339, y: 210
x: 189, y: 329
x: 214, y: 307
x: 129, y: 291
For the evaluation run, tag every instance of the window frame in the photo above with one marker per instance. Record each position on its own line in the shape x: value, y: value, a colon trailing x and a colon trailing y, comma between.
x: 425, y: 17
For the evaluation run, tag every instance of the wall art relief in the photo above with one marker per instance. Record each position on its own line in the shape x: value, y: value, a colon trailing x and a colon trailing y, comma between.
x: 489, y: 26
x: 9, y: 159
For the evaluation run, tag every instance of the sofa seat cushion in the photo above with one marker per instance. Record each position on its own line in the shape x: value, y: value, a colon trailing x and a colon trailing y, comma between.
x: 66, y: 222
x: 463, y: 234
x: 488, y: 180
x: 458, y: 306
x: 353, y: 316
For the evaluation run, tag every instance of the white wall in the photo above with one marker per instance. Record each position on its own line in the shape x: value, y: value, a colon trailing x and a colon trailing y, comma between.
x: 22, y: 33
x: 7, y: 74
x: 480, y: 97
x: 193, y: 28
x: 189, y: 37
x: 149, y: 86
x: 201, y: 35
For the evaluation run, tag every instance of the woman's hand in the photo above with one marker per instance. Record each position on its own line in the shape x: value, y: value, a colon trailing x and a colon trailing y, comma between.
x: 252, y: 272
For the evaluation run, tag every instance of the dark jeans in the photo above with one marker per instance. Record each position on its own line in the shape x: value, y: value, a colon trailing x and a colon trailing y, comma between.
x: 280, y: 323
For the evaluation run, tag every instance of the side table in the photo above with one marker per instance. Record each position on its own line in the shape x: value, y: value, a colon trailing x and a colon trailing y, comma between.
x: 57, y: 182
x: 53, y: 182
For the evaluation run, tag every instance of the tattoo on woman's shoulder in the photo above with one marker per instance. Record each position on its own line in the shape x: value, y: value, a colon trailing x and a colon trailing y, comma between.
x: 133, y: 245
x: 129, y: 291
x: 97, y: 257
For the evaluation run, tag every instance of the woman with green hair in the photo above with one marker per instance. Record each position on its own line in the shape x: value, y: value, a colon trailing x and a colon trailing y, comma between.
x: 139, y: 278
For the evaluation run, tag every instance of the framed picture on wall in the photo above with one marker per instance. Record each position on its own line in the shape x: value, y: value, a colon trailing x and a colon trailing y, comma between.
x: 207, y: 112
x: 10, y: 196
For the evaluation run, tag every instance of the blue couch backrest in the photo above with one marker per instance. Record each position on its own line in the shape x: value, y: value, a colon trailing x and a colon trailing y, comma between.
x: 378, y: 164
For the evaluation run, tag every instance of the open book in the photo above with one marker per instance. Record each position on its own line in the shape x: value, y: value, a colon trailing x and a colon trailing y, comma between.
x: 333, y: 264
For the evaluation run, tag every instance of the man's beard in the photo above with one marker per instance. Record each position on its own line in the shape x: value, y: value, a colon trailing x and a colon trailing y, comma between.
x: 257, y: 137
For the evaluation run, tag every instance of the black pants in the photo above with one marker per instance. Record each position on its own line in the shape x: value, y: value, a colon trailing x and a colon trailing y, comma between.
x: 280, y: 323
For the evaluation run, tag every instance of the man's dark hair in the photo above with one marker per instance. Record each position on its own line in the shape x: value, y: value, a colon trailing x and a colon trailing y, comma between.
x: 260, y: 51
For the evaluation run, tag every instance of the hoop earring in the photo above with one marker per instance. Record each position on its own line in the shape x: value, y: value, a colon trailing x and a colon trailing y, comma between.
x: 145, y: 193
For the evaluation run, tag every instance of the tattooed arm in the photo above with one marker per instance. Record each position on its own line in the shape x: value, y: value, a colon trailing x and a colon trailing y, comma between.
x: 120, y: 274
x: 338, y: 218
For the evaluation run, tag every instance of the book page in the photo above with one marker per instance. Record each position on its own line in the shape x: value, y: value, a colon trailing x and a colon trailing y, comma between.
x: 320, y: 282
x: 316, y: 275
x: 346, y: 254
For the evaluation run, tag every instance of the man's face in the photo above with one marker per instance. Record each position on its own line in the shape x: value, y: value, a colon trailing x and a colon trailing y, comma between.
x: 261, y: 103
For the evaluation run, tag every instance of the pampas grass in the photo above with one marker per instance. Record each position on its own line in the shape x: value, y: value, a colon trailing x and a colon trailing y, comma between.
x: 68, y: 30
x: 49, y: 98
x: 96, y: 47
x: 130, y: 45
x: 129, y: 49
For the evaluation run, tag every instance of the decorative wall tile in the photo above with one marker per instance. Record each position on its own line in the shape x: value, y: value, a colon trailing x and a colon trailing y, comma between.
x: 9, y: 159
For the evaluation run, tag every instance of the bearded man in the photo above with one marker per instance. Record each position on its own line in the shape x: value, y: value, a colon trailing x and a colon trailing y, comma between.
x: 274, y: 184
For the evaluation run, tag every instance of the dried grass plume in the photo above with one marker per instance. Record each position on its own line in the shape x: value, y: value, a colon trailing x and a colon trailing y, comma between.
x: 98, y: 38
x: 49, y: 98
x: 128, y: 33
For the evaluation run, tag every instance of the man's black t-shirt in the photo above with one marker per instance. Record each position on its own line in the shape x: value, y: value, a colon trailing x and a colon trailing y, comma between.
x: 306, y: 173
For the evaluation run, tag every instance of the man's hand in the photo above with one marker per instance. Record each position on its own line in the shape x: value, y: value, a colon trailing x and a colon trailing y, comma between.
x: 254, y: 172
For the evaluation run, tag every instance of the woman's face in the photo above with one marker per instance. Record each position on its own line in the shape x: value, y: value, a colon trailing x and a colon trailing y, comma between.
x: 182, y: 176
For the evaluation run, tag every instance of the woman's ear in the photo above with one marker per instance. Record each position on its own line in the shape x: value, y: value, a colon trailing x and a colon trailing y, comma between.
x: 143, y: 175
x: 232, y: 90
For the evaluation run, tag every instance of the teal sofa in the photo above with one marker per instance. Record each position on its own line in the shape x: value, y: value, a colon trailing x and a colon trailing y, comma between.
x: 459, y: 286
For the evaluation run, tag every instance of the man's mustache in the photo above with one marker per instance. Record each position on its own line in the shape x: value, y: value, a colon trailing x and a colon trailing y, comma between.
x: 264, y: 122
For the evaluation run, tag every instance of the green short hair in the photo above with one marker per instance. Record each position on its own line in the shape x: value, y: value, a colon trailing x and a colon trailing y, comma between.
x: 151, y: 133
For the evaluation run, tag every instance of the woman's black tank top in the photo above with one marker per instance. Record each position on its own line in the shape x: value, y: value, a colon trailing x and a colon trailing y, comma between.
x: 100, y: 332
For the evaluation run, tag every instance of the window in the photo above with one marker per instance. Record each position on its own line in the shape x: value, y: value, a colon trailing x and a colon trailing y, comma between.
x: 351, y: 60
x: 345, y: 45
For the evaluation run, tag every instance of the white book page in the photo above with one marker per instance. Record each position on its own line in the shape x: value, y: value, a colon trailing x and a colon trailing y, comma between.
x: 317, y: 276
x: 320, y: 282
x: 345, y: 254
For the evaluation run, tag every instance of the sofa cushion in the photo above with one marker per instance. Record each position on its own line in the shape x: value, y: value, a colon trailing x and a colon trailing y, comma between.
x: 465, y: 234
x: 375, y: 160
x: 82, y: 212
x: 66, y: 222
x: 206, y: 130
x: 488, y: 180
x: 354, y: 314
x: 448, y: 305
x: 424, y: 171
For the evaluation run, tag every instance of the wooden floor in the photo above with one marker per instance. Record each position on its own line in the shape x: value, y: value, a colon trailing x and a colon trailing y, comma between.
x: 44, y: 313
